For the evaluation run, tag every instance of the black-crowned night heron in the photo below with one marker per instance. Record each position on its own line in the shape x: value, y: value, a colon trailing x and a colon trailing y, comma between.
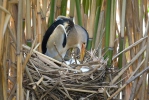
x: 61, y: 36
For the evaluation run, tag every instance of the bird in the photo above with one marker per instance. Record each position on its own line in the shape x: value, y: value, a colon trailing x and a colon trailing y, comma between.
x: 61, y: 20
x: 62, y: 35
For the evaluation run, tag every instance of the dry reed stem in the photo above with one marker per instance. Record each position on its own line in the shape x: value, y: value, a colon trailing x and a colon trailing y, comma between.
x: 134, y: 72
x: 69, y: 68
x: 145, y: 75
x: 27, y: 96
x: 131, y: 46
x: 132, y: 53
x: 2, y: 74
x: 91, y: 20
x: 65, y: 94
x: 7, y: 18
x: 127, y: 66
x: 28, y: 21
x: 31, y: 79
x: 13, y: 1
x: 113, y: 24
x: 49, y: 90
x: 44, y: 6
x: 29, y: 55
x: 12, y: 35
x: 39, y: 24
x: 34, y: 23
x: 19, y: 57
x: 5, y: 63
x: 141, y: 80
x: 40, y: 67
x: 99, y: 31
x: 128, y: 81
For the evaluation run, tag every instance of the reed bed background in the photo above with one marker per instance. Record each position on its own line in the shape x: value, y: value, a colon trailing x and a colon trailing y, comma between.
x: 118, y: 37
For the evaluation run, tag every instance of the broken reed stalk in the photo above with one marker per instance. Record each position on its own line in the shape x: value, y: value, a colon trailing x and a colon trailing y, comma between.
x: 18, y: 51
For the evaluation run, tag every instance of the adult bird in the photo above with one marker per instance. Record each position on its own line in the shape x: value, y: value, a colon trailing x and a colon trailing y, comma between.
x: 61, y: 20
x: 62, y: 35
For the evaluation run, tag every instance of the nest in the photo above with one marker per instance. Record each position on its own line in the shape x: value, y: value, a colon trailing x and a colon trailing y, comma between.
x: 46, y: 80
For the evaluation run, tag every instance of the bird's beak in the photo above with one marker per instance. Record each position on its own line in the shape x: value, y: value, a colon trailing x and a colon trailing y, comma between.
x: 82, y: 54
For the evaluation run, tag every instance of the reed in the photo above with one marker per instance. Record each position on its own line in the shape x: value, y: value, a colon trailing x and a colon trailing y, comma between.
x: 72, y: 7
x: 78, y: 12
x: 112, y: 31
x: 63, y: 7
x: 28, y: 23
x: 58, y: 8
x: 107, y: 31
x: 95, y: 26
x: 3, y: 71
x: 122, y: 33
x: 116, y: 55
x: 51, y: 17
x: 18, y: 48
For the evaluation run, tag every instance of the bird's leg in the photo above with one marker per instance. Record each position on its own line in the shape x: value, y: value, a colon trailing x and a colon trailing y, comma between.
x: 58, y: 52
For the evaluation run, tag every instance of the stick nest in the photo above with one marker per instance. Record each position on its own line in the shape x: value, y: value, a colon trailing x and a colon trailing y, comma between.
x: 46, y: 80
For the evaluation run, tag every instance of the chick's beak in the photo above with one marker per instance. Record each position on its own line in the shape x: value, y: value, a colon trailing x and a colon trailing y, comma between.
x: 82, y: 54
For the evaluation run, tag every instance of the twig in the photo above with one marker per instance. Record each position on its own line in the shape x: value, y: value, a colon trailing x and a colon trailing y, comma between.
x: 69, y: 68
x: 58, y: 52
x: 48, y: 91
x: 37, y: 83
x: 128, y: 81
x: 31, y: 79
x: 65, y: 94
x: 27, y: 96
x: 128, y: 65
x: 82, y: 90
